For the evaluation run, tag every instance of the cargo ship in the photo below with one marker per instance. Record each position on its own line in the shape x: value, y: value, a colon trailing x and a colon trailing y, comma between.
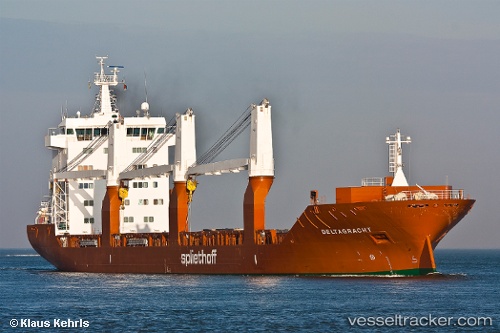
x: 116, y: 204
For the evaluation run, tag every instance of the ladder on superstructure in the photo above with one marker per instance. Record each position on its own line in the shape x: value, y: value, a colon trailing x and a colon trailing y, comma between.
x: 393, y: 152
x: 87, y: 151
x: 60, y: 213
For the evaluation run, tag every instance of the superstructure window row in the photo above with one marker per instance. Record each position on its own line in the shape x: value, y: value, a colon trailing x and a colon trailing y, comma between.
x: 144, y: 202
x: 143, y: 132
x: 130, y: 219
x: 85, y: 185
x: 87, y: 134
x: 139, y: 150
x: 143, y: 184
x: 140, y: 184
x: 85, y: 167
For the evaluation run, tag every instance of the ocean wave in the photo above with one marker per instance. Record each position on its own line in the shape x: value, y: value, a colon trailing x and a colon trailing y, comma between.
x: 447, y: 275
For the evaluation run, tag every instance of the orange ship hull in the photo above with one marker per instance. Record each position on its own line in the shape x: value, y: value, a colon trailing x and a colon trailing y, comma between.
x: 384, y: 226
x: 351, y: 238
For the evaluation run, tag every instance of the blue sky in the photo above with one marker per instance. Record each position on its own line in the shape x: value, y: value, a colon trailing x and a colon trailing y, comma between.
x: 341, y: 76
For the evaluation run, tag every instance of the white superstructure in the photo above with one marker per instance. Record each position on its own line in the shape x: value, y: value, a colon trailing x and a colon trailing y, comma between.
x: 104, y: 149
x: 80, y: 173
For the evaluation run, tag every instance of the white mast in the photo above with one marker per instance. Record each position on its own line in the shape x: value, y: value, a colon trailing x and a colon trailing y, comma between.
x: 396, y: 158
x: 104, y: 81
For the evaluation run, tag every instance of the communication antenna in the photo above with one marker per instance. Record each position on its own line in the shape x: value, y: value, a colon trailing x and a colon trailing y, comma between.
x: 116, y: 70
x: 145, y: 86
x: 145, y: 105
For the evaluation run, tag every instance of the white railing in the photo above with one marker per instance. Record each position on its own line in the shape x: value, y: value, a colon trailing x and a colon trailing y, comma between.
x: 373, y: 181
x: 427, y: 195
x: 99, y: 78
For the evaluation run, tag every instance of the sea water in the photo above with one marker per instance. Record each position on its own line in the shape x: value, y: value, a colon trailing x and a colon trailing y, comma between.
x: 462, y: 297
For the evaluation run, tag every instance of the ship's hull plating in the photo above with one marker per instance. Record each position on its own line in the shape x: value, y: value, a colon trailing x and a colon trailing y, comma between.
x: 357, y: 238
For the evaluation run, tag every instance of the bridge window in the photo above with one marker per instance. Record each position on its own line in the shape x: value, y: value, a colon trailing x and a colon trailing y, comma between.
x: 80, y: 134
x: 88, y: 134
x: 84, y: 134
x: 151, y: 133
x: 133, y: 131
